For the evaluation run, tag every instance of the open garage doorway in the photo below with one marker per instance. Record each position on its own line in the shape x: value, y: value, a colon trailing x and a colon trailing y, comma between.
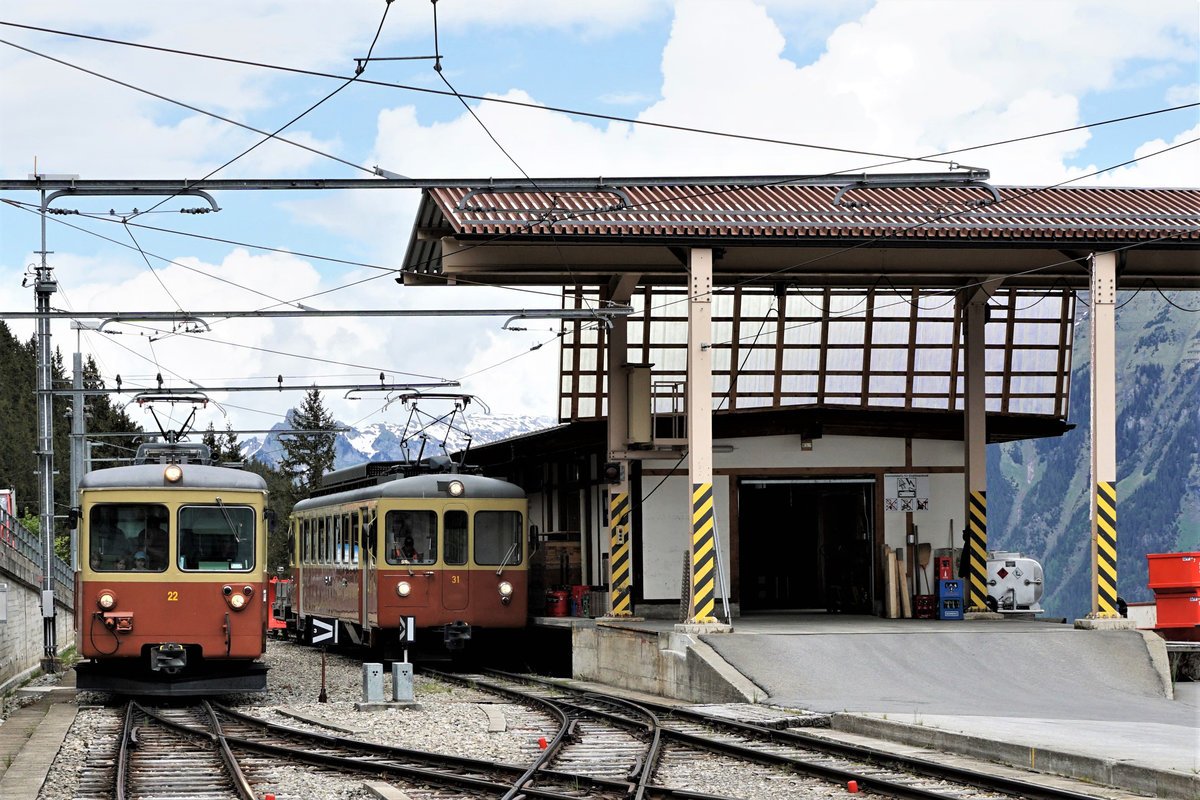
x: 806, y: 544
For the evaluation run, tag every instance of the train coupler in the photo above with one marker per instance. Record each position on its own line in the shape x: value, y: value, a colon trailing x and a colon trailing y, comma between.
x: 457, y: 634
x: 168, y: 658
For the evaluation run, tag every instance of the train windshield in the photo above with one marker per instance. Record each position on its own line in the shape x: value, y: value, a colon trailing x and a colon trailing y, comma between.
x: 411, y: 537
x: 498, y: 537
x: 127, y: 537
x: 216, y: 537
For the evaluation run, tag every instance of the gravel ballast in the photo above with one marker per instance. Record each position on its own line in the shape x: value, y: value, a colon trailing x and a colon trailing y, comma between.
x: 446, y: 719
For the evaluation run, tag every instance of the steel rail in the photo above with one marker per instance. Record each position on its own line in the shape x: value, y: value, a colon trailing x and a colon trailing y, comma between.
x: 873, y: 756
x: 592, y: 784
x: 394, y: 751
x: 122, y: 772
x: 645, y: 772
x: 240, y: 784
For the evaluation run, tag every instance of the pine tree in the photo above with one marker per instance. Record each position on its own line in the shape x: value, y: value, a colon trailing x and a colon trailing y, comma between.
x: 307, y: 456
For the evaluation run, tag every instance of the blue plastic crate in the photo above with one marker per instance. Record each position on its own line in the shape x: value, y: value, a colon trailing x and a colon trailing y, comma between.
x: 950, y: 608
x: 952, y: 588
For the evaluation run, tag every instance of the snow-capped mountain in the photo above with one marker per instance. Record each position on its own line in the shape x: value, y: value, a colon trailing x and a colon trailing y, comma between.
x: 385, y: 441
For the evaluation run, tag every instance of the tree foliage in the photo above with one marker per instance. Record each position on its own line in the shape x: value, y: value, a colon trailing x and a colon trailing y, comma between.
x: 308, y: 456
x: 225, y: 447
x: 18, y: 426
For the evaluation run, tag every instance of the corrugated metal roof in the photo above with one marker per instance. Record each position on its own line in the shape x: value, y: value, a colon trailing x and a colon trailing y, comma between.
x: 791, y: 213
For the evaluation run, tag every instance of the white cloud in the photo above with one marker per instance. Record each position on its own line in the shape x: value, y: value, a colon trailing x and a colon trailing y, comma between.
x: 904, y: 76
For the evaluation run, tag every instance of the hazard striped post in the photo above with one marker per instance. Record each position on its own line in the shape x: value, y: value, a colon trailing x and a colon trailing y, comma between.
x: 618, y: 522
x: 703, y: 554
x: 1106, y: 550
x: 977, y: 552
x: 1104, y: 435
x: 699, y: 430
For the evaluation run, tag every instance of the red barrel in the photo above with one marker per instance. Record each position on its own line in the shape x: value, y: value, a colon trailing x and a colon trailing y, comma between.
x: 556, y: 603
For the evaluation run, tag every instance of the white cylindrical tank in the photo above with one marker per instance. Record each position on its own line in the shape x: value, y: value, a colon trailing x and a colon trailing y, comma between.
x: 1014, y: 582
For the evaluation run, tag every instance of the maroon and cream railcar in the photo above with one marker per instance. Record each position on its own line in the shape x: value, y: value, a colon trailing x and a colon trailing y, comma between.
x: 403, y: 559
x: 170, y: 594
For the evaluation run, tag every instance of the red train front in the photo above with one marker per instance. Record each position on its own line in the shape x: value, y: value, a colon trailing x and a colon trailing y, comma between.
x: 398, y: 558
x: 171, y: 592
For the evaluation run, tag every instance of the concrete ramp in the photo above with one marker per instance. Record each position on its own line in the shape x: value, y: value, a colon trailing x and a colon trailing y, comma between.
x: 1056, y: 671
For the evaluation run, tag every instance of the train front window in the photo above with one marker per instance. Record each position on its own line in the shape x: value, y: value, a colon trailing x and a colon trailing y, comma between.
x: 127, y: 537
x: 498, y: 537
x: 216, y: 538
x: 411, y: 537
x: 455, y: 523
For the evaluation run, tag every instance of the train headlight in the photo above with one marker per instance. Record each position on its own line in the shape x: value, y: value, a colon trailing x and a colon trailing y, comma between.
x: 455, y: 488
x: 506, y: 591
x: 173, y: 473
x: 107, y: 601
x: 237, y: 602
x: 403, y: 588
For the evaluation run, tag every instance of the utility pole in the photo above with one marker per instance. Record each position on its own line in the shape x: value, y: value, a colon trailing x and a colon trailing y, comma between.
x: 44, y: 287
x: 78, y: 434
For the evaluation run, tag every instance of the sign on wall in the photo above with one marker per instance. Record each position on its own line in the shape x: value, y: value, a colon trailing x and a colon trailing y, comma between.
x: 905, y: 492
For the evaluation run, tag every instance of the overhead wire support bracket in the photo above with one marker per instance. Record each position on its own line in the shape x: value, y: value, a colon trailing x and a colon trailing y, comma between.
x: 584, y: 314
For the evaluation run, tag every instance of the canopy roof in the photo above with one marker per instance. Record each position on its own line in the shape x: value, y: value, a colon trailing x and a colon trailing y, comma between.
x: 918, y: 230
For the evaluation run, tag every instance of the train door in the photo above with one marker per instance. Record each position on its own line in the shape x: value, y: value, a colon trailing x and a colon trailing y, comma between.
x: 365, y: 530
x: 805, y: 544
x: 455, y: 551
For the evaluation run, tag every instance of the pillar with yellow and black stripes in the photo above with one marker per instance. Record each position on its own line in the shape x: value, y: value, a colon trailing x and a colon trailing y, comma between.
x: 1105, y: 516
x: 703, y: 554
x: 977, y: 552
x: 618, y: 526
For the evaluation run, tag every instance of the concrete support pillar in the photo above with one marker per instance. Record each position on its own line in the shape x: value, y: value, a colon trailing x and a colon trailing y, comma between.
x: 1104, y: 435
x: 620, y: 534
x: 975, y: 435
x: 702, y: 604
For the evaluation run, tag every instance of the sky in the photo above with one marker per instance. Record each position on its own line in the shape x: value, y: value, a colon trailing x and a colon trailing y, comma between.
x: 911, y: 77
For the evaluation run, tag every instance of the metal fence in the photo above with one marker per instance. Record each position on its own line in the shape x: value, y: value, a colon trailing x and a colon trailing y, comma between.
x: 15, y: 535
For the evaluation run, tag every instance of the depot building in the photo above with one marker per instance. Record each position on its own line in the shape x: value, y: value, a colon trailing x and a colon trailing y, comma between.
x: 831, y: 355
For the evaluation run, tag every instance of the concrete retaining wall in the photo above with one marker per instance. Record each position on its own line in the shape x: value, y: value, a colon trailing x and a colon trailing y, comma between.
x: 666, y: 664
x: 21, y: 638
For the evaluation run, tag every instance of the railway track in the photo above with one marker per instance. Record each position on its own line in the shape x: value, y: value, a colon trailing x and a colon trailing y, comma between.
x: 728, y: 744
x: 216, y: 752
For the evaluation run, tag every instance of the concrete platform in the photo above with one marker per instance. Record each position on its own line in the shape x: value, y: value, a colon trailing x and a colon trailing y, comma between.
x: 1098, y: 705
x: 31, y: 737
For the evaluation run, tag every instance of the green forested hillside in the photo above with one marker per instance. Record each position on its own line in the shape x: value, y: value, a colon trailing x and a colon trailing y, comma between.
x: 1038, y: 491
x: 18, y: 422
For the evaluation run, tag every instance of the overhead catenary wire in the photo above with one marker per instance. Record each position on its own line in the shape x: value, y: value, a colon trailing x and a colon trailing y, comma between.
x: 268, y: 137
x: 561, y: 110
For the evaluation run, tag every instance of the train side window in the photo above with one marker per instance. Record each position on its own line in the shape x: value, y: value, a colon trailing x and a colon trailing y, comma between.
x: 322, y: 535
x: 217, y: 538
x: 337, y: 539
x: 455, y: 530
x: 411, y: 537
x: 498, y: 537
x: 354, y: 538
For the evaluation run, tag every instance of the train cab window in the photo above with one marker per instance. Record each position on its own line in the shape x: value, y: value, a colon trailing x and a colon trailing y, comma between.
x: 216, y: 538
x: 128, y: 537
x: 455, y: 524
x: 411, y: 537
x: 498, y: 537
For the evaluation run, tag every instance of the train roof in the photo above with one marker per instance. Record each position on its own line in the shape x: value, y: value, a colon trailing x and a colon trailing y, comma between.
x: 195, y: 476
x: 420, y: 486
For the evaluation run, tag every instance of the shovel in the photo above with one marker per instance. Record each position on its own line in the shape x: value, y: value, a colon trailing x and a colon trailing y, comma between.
x: 924, y: 549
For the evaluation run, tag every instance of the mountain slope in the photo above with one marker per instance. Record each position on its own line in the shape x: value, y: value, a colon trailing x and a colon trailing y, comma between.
x: 385, y: 441
x: 1039, y: 491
